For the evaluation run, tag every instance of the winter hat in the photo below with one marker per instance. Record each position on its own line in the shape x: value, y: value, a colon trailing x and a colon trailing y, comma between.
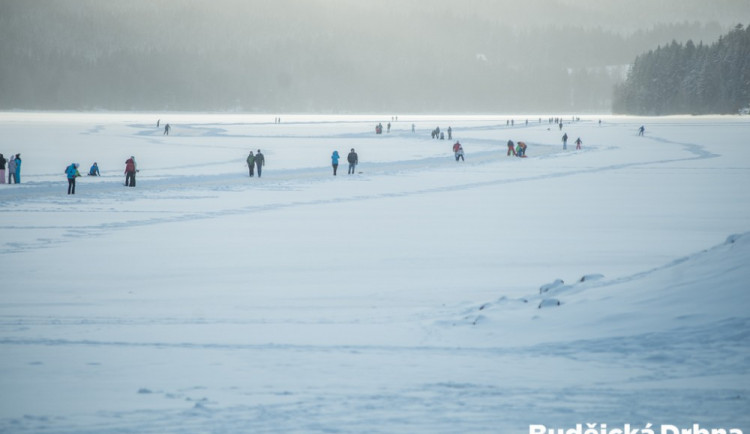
x: 75, y: 165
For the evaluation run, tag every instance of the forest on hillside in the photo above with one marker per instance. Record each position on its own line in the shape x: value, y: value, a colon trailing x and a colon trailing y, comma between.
x: 688, y: 78
x: 327, y: 56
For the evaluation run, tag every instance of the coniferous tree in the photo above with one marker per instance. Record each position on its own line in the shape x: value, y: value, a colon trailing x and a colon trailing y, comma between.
x: 689, y: 79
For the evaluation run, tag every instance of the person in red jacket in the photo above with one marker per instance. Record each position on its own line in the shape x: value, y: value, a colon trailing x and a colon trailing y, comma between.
x: 130, y: 170
x: 456, y: 147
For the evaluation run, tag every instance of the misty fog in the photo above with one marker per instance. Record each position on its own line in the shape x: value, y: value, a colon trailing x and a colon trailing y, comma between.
x: 337, y: 56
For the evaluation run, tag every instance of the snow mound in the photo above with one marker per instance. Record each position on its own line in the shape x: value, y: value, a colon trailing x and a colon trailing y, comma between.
x: 704, y: 287
x: 559, y: 285
x: 550, y: 286
x: 591, y: 277
x: 549, y: 302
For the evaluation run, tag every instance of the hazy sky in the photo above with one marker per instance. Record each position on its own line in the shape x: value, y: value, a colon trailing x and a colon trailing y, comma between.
x: 336, y: 54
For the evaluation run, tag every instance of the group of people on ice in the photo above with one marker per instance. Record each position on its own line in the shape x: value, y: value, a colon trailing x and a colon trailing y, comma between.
x: 71, y: 173
x: 437, y: 134
x: 352, y: 159
x: 256, y: 161
x: 379, y: 128
x: 578, y: 142
x: 13, y: 167
x: 517, y: 150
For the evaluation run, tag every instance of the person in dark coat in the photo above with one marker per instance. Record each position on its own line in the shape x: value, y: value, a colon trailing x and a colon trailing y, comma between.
x: 353, y: 160
x: 2, y: 169
x: 260, y: 161
x: 251, y: 163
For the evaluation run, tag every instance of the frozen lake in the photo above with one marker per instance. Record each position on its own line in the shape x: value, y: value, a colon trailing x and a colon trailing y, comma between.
x: 403, y: 298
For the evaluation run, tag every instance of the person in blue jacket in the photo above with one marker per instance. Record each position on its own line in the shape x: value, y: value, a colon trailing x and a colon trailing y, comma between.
x: 18, y: 168
x: 335, y: 161
x: 72, y: 172
x: 94, y: 171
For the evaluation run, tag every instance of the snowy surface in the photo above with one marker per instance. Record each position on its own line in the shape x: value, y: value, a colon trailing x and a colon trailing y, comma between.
x: 404, y: 298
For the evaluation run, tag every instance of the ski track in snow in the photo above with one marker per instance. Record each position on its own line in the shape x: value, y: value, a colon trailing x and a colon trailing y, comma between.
x: 159, y: 189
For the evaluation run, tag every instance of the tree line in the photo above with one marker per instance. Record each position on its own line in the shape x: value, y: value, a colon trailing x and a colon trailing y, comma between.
x: 688, y: 78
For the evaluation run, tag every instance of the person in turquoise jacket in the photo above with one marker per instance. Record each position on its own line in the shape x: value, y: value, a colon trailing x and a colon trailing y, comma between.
x: 335, y: 161
x: 18, y: 168
x: 72, y: 172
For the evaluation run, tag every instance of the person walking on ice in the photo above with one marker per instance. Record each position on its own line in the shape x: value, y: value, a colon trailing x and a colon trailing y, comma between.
x: 72, y: 173
x: 251, y: 163
x: 130, y: 170
x: 335, y: 161
x: 641, y: 130
x: 260, y: 161
x: 565, y: 141
x: 455, y: 149
x: 166, y: 130
x: 578, y: 143
x: 353, y: 160
x: 2, y: 169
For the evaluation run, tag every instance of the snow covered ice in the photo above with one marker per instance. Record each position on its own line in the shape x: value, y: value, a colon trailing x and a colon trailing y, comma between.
x: 404, y: 298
